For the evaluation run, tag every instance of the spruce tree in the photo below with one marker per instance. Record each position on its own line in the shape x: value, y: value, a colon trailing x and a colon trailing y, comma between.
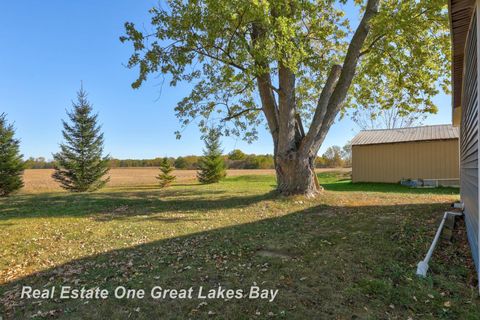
x: 165, y: 177
x: 11, y: 162
x: 211, y: 165
x: 80, y: 165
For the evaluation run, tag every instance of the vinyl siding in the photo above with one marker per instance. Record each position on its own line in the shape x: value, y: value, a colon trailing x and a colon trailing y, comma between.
x: 392, y: 162
x: 469, y: 141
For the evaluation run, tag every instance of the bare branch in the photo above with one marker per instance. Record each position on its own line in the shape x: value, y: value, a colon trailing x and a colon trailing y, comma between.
x: 201, y: 51
x: 240, y: 113
x: 372, y: 45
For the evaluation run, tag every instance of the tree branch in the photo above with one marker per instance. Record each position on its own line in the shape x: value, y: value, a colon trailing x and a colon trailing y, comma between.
x: 269, y: 104
x: 321, y: 109
x: 299, y: 130
x: 370, y: 47
x: 264, y: 83
x: 287, y: 109
x: 240, y: 113
x: 201, y: 51
x: 350, y: 63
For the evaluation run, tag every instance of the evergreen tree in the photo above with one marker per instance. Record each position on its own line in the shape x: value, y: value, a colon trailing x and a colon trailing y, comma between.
x: 165, y: 177
x: 211, y: 165
x: 80, y: 165
x: 11, y: 163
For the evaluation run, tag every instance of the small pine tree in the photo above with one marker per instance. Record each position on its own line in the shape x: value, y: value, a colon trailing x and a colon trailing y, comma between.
x: 165, y: 177
x: 211, y: 165
x: 11, y: 162
x: 80, y: 165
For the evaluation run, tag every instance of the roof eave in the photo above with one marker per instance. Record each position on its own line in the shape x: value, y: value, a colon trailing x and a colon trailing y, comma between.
x: 461, y: 12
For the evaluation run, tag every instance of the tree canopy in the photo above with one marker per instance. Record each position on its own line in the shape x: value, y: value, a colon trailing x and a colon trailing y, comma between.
x: 236, y: 154
x: 222, y: 47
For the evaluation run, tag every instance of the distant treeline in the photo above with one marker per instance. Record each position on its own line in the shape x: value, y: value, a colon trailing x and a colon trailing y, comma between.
x: 191, y: 162
x: 38, y: 163
x: 181, y: 163
x: 334, y: 157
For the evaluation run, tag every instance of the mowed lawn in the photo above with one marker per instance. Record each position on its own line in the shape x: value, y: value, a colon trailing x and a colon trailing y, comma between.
x: 350, y: 253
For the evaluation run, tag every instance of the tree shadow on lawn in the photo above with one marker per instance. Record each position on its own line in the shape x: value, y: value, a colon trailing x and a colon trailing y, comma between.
x: 336, y: 262
x: 120, y: 204
x: 151, y: 186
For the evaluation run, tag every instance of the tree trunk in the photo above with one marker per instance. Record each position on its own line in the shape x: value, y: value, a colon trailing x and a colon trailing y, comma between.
x: 296, y: 175
x: 295, y: 151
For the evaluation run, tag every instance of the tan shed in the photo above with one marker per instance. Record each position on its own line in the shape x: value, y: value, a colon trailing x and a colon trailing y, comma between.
x: 428, y: 152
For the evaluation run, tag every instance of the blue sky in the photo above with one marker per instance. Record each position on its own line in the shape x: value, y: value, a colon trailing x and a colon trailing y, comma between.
x: 49, y: 47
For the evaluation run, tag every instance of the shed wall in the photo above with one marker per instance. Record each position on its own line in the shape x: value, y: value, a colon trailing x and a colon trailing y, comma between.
x: 437, y: 159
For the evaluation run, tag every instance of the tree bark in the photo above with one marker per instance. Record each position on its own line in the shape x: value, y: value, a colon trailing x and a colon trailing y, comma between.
x: 296, y: 175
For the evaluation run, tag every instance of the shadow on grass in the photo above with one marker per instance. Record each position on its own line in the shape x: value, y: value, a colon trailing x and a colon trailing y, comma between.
x: 348, y: 186
x: 341, y: 181
x: 346, y: 262
x: 106, y: 206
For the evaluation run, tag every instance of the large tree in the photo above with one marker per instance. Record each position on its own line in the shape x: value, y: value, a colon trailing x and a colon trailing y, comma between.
x: 11, y: 162
x: 392, y: 117
x: 80, y: 165
x: 295, y: 64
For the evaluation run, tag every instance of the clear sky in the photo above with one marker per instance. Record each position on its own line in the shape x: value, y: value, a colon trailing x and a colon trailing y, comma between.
x: 49, y: 47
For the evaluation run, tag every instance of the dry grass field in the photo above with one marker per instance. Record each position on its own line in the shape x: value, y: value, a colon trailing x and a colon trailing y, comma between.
x: 40, y: 180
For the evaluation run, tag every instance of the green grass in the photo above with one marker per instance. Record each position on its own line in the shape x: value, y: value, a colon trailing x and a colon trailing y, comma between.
x: 341, y: 182
x: 350, y: 253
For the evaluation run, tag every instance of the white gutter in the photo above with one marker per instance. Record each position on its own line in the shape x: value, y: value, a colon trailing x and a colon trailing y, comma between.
x: 422, y: 266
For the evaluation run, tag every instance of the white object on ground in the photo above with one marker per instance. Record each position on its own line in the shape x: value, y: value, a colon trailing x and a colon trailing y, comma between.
x: 422, y: 266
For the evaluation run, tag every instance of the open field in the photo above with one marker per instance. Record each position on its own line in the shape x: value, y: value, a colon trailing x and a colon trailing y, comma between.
x: 349, y: 253
x: 40, y: 180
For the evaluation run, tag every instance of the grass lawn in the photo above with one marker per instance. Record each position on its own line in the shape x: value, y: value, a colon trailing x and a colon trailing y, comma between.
x: 350, y: 253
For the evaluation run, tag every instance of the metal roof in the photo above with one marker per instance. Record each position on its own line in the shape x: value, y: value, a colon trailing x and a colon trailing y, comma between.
x: 425, y: 133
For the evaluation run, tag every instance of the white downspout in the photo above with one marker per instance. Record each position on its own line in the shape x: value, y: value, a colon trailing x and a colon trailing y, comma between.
x: 422, y: 266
